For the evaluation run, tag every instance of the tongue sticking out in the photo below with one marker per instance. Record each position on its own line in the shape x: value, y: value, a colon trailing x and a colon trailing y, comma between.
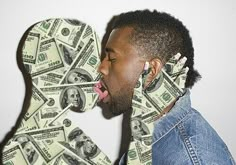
x: 100, y: 90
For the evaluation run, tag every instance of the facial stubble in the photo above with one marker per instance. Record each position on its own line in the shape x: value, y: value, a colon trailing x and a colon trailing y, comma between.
x: 121, y: 101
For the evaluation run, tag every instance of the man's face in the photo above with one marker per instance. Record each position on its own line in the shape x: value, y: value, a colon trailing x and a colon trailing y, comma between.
x: 121, y: 68
x: 73, y: 97
x: 136, y: 128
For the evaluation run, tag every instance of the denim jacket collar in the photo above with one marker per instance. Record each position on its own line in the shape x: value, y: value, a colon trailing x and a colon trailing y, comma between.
x: 166, y: 123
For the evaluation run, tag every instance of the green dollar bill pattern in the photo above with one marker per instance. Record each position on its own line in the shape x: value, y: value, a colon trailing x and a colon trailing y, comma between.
x: 160, y: 93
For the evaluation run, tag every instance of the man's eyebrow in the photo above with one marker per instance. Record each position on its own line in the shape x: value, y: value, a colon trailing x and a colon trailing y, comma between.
x: 109, y: 50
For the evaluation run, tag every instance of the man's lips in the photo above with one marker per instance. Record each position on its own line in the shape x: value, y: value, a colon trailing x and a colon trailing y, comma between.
x: 101, y: 90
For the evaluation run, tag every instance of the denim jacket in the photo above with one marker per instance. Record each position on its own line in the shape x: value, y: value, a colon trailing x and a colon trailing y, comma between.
x: 183, y: 137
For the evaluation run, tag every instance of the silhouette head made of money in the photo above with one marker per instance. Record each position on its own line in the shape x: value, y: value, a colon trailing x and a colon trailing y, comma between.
x: 59, y: 60
x: 59, y: 55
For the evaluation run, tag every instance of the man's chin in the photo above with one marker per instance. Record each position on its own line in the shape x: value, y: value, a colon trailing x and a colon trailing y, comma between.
x: 118, y: 110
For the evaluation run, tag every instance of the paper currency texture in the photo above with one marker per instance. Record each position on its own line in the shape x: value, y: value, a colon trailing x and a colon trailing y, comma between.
x: 62, y: 57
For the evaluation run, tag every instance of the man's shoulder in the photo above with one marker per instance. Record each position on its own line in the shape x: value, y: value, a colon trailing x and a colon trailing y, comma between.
x: 192, y: 139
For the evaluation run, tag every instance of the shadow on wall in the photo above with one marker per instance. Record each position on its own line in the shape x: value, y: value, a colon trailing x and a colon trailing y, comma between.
x: 28, y: 91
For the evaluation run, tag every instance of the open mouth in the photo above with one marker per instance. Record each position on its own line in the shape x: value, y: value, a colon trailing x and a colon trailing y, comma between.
x: 101, y: 90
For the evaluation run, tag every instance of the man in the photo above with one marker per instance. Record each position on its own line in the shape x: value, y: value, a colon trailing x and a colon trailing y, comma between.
x: 182, y: 136
x: 72, y: 95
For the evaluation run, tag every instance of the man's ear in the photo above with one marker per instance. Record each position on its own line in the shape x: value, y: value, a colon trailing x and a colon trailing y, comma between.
x: 155, y: 66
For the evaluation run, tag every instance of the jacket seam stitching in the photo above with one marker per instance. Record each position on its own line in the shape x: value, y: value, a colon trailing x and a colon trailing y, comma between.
x: 188, y: 145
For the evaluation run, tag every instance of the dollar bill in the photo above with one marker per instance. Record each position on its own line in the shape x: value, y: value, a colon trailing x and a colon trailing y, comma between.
x: 78, y: 142
x: 144, y: 152
x: 68, y: 54
x: 38, y: 99
x: 84, y: 68
x: 30, y: 47
x: 69, y: 158
x: 139, y: 154
x: 48, y: 57
x: 43, y: 27
x: 48, y: 79
x: 14, y: 156
x: 44, y: 141
x: 181, y: 78
x: 92, y: 156
x: 67, y: 31
x: 168, y: 91
x: 138, y: 92
x: 160, y: 93
x: 27, y: 125
x: 80, y: 96
x: 29, y: 150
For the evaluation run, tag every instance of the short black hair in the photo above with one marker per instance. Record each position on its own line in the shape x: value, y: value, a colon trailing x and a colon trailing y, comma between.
x: 159, y: 35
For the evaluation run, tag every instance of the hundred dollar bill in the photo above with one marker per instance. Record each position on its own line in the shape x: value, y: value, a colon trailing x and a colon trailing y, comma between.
x: 14, y: 156
x: 48, y: 79
x: 70, y: 54
x: 30, y: 47
x: 162, y: 91
x: 30, y: 124
x: 88, y: 33
x: 181, y: 79
x: 48, y: 57
x: 31, y: 153
x: 78, y: 141
x: 84, y: 68
x: 138, y: 95
x: 45, y: 141
x: 69, y: 158
x: 82, y: 97
x: 132, y: 156
x: 142, y: 126
x: 144, y: 152
x: 43, y: 27
x: 67, y: 31
x: 139, y: 154
x: 38, y: 99
x: 174, y: 66
x: 89, y: 152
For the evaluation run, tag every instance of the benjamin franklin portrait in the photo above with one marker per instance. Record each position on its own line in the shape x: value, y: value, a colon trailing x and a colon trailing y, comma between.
x: 73, y: 95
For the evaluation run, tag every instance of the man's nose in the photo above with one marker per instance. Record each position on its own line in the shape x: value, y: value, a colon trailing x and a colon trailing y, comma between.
x: 104, y: 67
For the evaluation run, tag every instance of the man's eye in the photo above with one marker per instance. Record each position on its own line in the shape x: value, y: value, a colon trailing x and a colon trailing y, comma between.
x: 112, y: 59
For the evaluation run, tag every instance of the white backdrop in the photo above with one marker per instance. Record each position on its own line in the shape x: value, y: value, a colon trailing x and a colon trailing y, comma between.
x: 212, y: 25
